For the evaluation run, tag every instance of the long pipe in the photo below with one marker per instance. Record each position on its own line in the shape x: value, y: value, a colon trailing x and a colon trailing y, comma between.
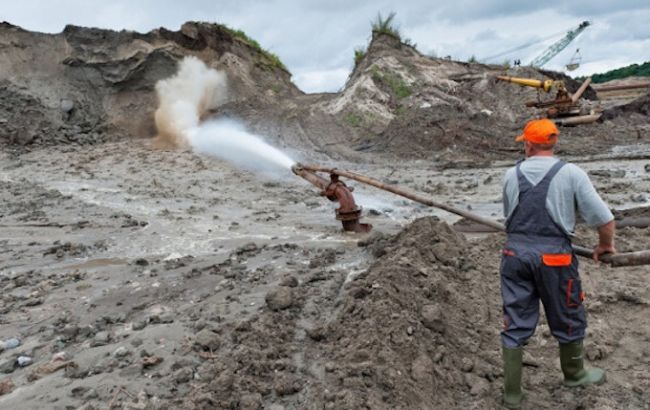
x: 619, y: 259
x: 576, y: 96
x: 619, y: 87
x: 581, y: 119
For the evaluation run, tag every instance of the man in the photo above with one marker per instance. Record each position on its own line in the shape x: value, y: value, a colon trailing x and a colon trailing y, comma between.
x: 540, y: 197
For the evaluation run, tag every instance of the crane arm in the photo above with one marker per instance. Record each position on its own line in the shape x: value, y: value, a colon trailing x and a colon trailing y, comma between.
x: 558, y: 46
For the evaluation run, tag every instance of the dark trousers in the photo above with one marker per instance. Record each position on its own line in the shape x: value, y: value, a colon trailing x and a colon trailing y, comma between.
x: 528, y: 277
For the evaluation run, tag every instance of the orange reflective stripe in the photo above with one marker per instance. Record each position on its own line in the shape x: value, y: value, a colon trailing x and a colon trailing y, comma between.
x: 557, y: 259
x: 582, y: 296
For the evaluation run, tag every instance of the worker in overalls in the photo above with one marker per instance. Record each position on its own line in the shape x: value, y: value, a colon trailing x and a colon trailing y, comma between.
x: 540, y: 198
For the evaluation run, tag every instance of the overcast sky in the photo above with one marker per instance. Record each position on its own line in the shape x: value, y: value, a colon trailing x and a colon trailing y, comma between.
x: 316, y: 39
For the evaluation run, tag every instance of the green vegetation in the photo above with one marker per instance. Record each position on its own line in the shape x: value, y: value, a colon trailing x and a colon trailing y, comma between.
x: 273, y: 59
x: 472, y: 59
x: 395, y: 83
x: 633, y: 70
x: 506, y: 64
x: 353, y: 119
x: 385, y: 25
x: 359, y: 54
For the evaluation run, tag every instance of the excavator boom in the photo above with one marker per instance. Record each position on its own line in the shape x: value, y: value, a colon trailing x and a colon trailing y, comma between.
x: 545, y: 85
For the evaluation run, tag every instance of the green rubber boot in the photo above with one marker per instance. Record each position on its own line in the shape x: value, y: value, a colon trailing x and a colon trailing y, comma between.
x: 575, y: 374
x: 512, y: 363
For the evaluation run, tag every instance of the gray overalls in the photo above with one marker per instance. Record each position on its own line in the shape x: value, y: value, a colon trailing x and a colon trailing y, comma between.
x: 538, y: 263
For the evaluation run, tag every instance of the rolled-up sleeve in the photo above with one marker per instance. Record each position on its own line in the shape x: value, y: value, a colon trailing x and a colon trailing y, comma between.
x: 590, y: 205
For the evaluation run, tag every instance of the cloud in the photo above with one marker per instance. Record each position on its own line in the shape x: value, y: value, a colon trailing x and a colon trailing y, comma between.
x: 314, y: 80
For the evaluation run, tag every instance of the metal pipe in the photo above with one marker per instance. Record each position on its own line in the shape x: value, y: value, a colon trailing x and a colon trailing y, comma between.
x: 619, y: 259
x: 348, y: 212
x: 576, y: 96
x: 619, y: 87
x: 581, y: 119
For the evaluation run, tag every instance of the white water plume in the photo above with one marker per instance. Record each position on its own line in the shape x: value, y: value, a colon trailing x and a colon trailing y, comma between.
x: 186, y: 97
x: 229, y: 140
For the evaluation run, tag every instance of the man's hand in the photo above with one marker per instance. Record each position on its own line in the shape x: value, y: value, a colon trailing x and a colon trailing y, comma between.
x: 606, y: 240
x: 602, y: 249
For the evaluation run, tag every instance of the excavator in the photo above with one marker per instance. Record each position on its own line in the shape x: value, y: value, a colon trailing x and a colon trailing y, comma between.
x: 563, y: 105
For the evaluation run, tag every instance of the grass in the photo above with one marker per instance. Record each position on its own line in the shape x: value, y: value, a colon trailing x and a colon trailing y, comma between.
x: 385, y: 25
x: 395, y: 83
x: 359, y: 54
x: 353, y: 119
x: 273, y: 59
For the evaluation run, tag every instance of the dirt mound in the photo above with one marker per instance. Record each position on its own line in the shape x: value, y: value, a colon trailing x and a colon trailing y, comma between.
x: 402, y: 335
x: 400, y: 102
x: 639, y: 107
x: 415, y: 330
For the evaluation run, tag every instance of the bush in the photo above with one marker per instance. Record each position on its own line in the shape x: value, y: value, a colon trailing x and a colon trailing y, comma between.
x: 399, y: 88
x: 385, y: 25
x: 353, y: 119
x: 273, y: 59
x: 633, y: 70
x: 359, y: 54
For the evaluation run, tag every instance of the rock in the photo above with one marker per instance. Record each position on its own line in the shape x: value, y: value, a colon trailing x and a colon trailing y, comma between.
x: 139, y: 325
x: 67, y: 105
x: 478, y: 386
x: 9, y: 344
x: 608, y: 173
x: 24, y: 361
x: 289, y: 281
x: 466, y: 364
x: 101, y: 339
x: 150, y: 361
x: 208, y: 340
x: 647, y: 167
x: 6, y: 386
x: 121, y: 352
x: 639, y: 198
x: 165, y: 317
x: 285, y: 385
x: 280, y: 298
x: 183, y: 375
x: 529, y: 360
x: 432, y: 318
x: 141, y: 262
x: 252, y: 401
x: 421, y: 368
x: 61, y: 357
x: 48, y: 368
x: 8, y: 366
x: 317, y: 333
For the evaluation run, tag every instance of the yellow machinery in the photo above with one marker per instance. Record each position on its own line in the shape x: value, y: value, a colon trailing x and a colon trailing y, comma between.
x: 564, y: 105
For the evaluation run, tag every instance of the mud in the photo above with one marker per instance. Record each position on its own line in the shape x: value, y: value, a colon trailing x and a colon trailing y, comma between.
x: 165, y: 292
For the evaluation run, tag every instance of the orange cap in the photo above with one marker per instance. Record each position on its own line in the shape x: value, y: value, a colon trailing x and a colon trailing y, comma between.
x: 541, y: 131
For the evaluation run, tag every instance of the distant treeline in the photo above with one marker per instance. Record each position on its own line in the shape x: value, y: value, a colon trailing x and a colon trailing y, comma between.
x: 633, y: 70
